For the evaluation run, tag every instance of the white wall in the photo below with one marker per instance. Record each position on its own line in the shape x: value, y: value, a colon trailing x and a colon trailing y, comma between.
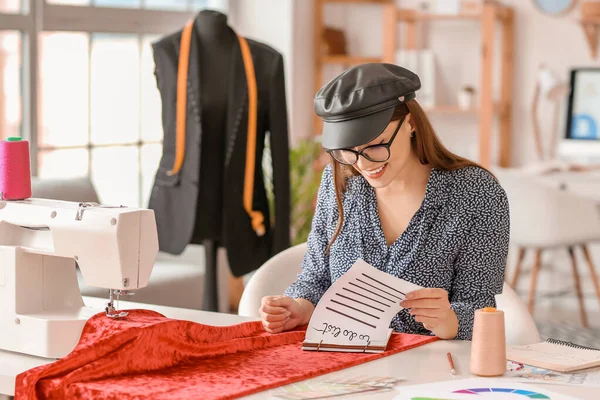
x: 558, y: 42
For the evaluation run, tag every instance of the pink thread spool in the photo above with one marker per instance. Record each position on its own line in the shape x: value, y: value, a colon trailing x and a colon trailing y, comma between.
x: 488, y: 348
x: 15, y: 170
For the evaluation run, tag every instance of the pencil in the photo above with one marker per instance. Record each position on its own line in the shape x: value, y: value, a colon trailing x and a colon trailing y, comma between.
x: 452, y: 370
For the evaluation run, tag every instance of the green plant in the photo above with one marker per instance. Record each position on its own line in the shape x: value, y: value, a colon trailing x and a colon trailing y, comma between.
x: 305, y: 178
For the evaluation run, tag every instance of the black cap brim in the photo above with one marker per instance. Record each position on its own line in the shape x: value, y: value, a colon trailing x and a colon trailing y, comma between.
x: 355, y: 132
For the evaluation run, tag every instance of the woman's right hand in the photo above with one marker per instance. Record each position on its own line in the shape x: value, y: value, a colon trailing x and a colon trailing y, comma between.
x: 280, y: 313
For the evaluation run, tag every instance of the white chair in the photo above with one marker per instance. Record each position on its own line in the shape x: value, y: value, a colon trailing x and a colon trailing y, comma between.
x: 543, y: 217
x: 273, y: 277
x: 519, y: 325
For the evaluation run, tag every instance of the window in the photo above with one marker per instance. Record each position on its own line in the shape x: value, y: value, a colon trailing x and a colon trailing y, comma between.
x: 99, y: 117
x: 10, y: 87
x: 98, y: 108
x: 10, y: 6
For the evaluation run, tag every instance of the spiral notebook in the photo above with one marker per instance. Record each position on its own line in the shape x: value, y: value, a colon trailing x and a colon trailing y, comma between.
x: 556, y: 355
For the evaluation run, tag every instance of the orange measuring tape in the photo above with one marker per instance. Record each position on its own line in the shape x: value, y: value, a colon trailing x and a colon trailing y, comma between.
x: 257, y: 218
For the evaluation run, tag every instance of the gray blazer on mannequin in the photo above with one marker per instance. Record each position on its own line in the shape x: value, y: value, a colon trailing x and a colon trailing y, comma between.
x: 174, y: 198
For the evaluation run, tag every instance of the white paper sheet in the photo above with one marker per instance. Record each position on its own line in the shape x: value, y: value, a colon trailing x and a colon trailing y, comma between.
x: 358, y: 308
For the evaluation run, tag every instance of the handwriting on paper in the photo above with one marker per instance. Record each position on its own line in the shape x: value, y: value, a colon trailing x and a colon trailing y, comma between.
x: 336, y: 331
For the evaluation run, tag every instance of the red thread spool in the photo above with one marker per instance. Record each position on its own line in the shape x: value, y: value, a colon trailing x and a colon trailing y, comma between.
x: 15, y: 170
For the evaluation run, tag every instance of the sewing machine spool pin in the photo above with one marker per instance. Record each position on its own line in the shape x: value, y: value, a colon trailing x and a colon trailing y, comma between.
x: 80, y: 209
x: 83, y: 206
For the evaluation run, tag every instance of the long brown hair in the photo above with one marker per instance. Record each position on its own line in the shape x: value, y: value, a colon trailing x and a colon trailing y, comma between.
x: 424, y: 144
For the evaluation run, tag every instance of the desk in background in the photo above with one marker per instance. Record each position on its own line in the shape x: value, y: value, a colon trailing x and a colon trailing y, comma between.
x: 579, y: 180
x: 585, y: 184
x: 423, y: 364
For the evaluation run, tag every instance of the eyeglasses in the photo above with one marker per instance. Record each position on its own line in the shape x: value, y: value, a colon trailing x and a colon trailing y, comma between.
x: 374, y: 153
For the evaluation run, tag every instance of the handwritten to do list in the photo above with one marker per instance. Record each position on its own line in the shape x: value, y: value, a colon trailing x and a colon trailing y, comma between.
x: 356, y: 311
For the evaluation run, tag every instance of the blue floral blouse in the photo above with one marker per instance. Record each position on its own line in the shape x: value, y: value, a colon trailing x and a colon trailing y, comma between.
x: 457, y: 241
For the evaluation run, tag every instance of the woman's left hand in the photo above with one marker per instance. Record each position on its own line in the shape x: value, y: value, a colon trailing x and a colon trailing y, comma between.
x: 431, y: 307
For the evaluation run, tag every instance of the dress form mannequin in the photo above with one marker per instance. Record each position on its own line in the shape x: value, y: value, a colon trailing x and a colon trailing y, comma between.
x: 215, y: 43
x: 209, y: 188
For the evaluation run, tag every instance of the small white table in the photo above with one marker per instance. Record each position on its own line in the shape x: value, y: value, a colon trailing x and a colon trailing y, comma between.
x: 423, y: 364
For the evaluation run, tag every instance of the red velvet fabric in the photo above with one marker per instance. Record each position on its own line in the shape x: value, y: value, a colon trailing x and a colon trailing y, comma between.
x: 147, y: 355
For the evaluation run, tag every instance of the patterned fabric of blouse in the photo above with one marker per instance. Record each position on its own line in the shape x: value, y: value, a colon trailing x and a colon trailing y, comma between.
x: 457, y: 240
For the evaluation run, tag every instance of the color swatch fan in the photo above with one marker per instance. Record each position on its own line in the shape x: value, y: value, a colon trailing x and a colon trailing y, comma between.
x: 504, y: 392
x: 477, y: 389
x: 354, y: 314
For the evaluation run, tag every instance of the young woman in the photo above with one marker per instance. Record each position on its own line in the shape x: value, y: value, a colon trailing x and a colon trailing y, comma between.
x: 395, y: 197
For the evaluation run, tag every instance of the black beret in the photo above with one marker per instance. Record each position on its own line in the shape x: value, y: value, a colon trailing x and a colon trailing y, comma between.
x: 358, y: 104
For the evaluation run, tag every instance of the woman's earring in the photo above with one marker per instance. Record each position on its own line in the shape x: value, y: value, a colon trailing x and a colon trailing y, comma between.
x: 412, y: 135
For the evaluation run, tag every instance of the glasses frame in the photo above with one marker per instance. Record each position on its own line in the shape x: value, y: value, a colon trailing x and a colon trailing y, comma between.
x: 360, y: 152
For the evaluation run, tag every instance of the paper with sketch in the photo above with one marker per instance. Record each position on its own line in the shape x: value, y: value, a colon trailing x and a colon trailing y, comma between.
x: 355, y: 312
x: 335, y: 387
x: 531, y: 374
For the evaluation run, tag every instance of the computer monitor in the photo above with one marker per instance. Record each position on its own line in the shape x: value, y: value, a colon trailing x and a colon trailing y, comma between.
x: 581, y: 141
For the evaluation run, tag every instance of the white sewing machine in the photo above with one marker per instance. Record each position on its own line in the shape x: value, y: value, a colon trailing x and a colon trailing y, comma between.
x: 41, y: 309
